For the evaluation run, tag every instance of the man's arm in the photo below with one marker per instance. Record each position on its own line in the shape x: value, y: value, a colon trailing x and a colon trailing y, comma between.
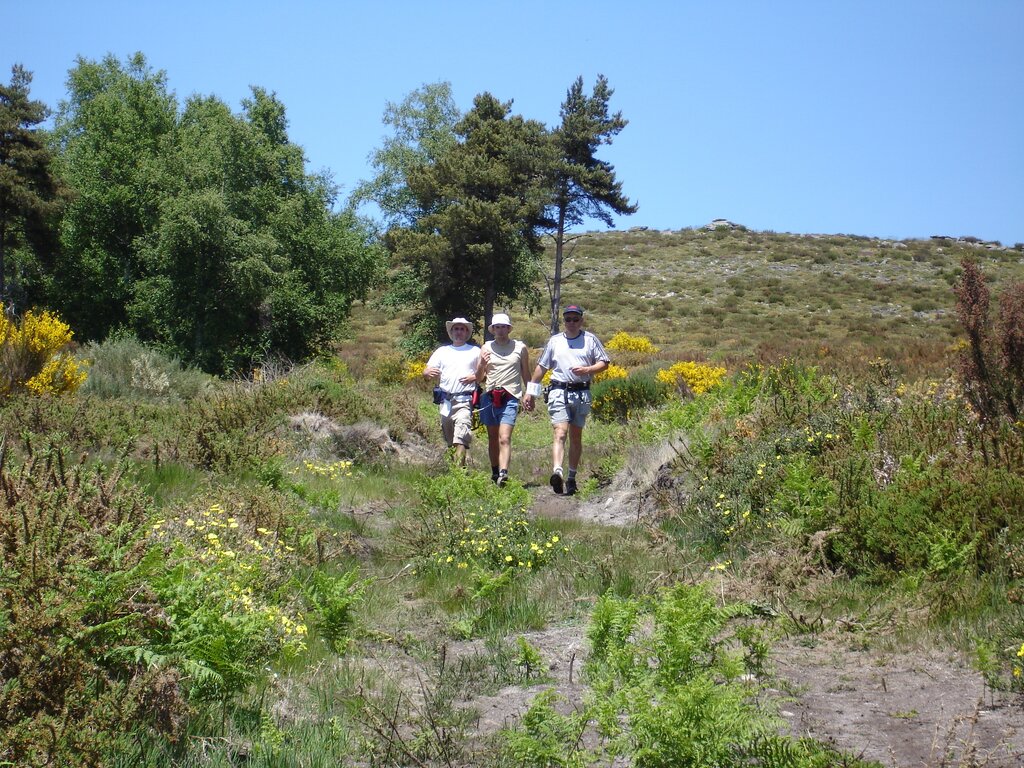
x: 534, y: 382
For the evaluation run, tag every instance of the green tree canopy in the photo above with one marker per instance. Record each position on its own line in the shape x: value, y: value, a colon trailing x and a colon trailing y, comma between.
x: 247, y: 258
x: 201, y: 231
x: 477, y: 239
x: 110, y: 133
x: 423, y: 129
x: 30, y: 194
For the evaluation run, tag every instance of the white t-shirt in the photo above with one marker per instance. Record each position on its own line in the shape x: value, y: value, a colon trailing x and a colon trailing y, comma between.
x: 562, y: 354
x: 455, y: 363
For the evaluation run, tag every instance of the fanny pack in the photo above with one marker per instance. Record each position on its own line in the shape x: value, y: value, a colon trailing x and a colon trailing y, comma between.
x: 499, y: 397
x: 441, y: 395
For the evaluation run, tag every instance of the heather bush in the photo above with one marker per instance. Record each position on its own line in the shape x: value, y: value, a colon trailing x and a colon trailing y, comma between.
x: 122, y: 366
x: 73, y: 597
x: 235, y: 427
x: 991, y: 365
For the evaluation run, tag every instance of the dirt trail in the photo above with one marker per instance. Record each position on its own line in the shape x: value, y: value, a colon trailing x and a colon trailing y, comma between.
x: 906, y: 710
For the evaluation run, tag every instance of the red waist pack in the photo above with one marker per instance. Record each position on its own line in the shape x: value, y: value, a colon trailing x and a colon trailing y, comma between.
x: 499, y: 397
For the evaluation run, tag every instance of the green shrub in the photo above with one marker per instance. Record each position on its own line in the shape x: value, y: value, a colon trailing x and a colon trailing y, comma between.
x: 232, y: 428
x: 672, y: 684
x: 480, y: 527
x: 391, y: 370
x: 331, y: 600
x: 619, y: 399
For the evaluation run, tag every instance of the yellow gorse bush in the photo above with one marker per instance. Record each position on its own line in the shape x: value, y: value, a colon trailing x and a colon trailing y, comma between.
x: 699, y: 377
x: 613, y: 371
x: 414, y: 368
x: 33, y: 355
x: 625, y: 342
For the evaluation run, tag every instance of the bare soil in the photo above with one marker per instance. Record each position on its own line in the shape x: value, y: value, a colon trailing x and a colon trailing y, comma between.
x: 902, y: 709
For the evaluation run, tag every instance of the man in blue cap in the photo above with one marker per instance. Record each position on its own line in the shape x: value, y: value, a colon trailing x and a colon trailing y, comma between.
x: 574, y: 357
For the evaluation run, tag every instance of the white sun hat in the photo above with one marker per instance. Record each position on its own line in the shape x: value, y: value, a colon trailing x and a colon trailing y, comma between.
x: 458, y: 321
x: 499, y: 319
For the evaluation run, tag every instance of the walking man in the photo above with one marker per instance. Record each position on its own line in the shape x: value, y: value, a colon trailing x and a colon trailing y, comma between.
x: 455, y: 365
x: 574, y: 357
x: 504, y: 367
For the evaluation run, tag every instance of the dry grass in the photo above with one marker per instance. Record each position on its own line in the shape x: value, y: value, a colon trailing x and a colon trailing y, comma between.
x: 735, y: 295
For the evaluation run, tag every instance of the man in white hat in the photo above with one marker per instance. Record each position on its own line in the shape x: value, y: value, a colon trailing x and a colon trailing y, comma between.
x: 455, y: 365
x: 504, y: 367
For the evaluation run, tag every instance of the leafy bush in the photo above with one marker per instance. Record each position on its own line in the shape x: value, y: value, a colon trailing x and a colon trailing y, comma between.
x: 331, y: 600
x: 225, y: 589
x: 671, y: 685
x: 619, y: 399
x: 480, y: 527
x: 34, y: 356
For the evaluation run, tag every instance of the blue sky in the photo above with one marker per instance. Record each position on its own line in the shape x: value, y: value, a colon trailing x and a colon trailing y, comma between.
x: 890, y: 118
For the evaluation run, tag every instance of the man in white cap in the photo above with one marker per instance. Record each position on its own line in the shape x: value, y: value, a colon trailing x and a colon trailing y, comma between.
x: 455, y: 365
x: 504, y: 367
x: 574, y: 358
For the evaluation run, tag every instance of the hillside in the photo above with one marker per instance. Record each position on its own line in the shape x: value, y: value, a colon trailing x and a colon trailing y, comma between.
x: 730, y: 294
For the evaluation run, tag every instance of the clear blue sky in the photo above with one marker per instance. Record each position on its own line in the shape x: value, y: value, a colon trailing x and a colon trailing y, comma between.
x: 891, y: 118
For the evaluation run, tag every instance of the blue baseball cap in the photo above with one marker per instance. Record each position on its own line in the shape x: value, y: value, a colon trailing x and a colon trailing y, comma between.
x: 573, y: 308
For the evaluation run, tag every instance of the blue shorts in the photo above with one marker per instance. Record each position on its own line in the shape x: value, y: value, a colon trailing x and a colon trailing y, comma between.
x: 492, y: 417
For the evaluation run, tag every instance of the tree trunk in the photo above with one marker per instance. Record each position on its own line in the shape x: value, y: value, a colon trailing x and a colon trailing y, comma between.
x: 556, y: 288
x: 489, y: 296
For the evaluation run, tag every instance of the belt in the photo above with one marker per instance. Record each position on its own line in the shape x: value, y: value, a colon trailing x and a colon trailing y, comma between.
x: 571, y: 386
x: 457, y: 395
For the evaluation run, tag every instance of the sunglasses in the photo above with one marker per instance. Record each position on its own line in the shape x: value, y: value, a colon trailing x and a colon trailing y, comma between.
x: 572, y: 319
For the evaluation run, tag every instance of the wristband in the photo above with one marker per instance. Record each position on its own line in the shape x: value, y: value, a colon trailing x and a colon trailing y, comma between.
x: 533, y: 388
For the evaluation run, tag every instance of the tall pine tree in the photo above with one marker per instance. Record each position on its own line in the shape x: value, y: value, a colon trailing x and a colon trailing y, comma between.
x: 29, y: 192
x: 584, y: 186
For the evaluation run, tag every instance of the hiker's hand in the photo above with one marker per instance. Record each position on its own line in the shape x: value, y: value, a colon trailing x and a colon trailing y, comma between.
x: 528, y: 402
x: 470, y: 379
x: 431, y: 372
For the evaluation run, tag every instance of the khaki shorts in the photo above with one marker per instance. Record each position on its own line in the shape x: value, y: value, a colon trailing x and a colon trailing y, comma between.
x: 569, y: 406
x: 457, y: 426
